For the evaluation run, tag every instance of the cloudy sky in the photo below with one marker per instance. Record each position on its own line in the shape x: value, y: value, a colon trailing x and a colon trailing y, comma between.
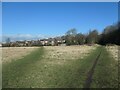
x: 30, y: 20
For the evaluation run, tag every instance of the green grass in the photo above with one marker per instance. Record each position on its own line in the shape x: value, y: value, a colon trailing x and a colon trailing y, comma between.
x: 12, y: 72
x: 106, y: 72
x: 33, y: 72
x: 70, y: 75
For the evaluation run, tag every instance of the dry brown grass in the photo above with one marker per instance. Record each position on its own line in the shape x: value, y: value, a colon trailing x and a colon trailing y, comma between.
x: 63, y: 54
x: 53, y: 54
x: 12, y: 53
x: 113, y: 51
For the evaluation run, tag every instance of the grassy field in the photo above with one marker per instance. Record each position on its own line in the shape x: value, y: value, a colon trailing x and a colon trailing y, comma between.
x: 14, y: 53
x: 61, y: 67
x: 113, y: 51
x: 106, y: 71
x: 14, y: 70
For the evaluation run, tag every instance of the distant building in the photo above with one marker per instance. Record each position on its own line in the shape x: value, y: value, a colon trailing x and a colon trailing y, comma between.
x: 44, y: 42
x: 23, y: 43
x: 51, y: 41
x: 57, y: 41
x: 36, y: 43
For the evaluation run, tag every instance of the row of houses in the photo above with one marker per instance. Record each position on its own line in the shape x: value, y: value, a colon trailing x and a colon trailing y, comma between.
x: 43, y: 42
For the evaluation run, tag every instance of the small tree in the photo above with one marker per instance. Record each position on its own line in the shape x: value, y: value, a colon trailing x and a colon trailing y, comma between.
x: 8, y: 40
x: 70, y: 36
x: 92, y: 37
x: 80, y: 38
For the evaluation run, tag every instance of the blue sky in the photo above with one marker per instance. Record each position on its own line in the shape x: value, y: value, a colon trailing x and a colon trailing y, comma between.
x: 50, y: 18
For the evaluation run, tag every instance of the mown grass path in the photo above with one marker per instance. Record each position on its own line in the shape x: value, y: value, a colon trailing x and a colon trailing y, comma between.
x: 33, y: 72
x: 91, y: 72
x: 13, y: 71
x: 106, y: 72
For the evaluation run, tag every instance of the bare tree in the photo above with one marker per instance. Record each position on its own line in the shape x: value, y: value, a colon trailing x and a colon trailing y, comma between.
x: 70, y: 36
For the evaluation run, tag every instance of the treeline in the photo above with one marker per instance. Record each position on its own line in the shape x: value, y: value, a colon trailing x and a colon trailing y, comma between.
x: 110, y: 35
